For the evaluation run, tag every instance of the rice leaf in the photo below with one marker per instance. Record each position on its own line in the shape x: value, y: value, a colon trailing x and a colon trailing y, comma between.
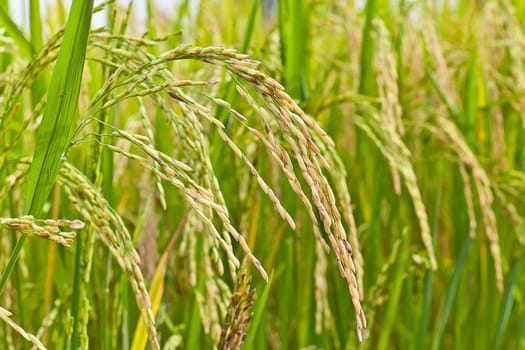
x: 506, y: 306
x: 294, y: 27
x: 12, y: 29
x: 451, y: 293
x: 54, y: 132
x: 367, y: 50
x: 258, y: 315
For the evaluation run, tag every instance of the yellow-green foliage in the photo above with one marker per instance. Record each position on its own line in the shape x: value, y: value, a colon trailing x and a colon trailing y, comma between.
x: 263, y: 175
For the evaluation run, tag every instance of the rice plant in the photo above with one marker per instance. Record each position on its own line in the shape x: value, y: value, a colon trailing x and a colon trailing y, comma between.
x: 262, y: 175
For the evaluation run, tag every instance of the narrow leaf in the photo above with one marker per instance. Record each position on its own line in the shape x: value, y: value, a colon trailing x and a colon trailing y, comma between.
x: 59, y: 115
x: 18, y: 37
x: 258, y: 315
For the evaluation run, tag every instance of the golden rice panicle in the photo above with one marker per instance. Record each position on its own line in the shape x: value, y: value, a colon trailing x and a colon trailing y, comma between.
x: 516, y: 49
x: 386, y: 77
x: 238, y: 314
x: 304, y: 137
x: 50, y: 229
x: 99, y: 213
x: 282, y: 114
x: 441, y: 68
x: 212, y: 306
x: 447, y: 131
x: 389, y: 142
x: 322, y: 307
x: 286, y: 130
x: 469, y: 199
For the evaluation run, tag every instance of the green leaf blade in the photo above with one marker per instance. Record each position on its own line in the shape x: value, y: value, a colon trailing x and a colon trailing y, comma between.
x: 54, y: 132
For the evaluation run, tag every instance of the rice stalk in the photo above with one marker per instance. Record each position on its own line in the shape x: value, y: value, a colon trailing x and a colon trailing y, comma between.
x: 50, y: 318
x: 239, y: 314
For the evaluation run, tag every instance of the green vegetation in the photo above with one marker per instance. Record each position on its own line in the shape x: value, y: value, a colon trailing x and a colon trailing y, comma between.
x: 263, y: 175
